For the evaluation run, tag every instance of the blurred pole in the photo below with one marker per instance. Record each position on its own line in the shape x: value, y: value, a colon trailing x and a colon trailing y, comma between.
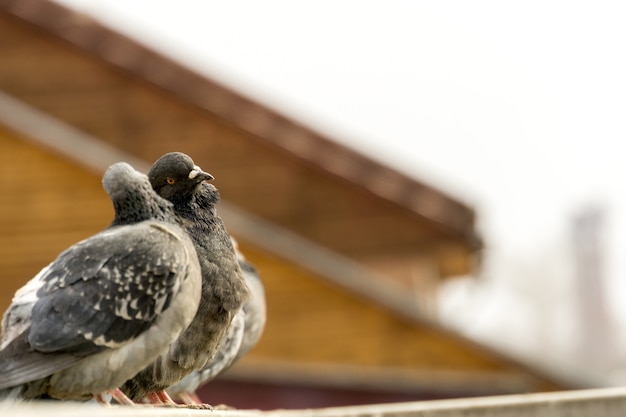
x: 595, y: 342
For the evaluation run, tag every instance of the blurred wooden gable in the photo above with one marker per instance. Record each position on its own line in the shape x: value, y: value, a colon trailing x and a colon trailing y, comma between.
x: 338, y: 238
x: 109, y: 86
x: 321, y: 337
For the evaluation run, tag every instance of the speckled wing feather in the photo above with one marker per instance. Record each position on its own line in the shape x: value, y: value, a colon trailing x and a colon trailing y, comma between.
x: 99, y: 293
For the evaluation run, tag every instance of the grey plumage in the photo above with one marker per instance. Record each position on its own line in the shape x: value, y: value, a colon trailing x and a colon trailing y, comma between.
x: 227, y: 352
x: 107, y: 306
x: 254, y: 310
x: 175, y: 177
x: 243, y: 334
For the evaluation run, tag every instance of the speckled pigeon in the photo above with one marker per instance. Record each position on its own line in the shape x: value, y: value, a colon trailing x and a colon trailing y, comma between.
x: 175, y: 177
x: 107, y: 306
x: 243, y: 334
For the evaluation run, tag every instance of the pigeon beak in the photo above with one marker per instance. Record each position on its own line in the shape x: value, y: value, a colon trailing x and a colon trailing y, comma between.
x: 205, y: 176
x: 199, y: 175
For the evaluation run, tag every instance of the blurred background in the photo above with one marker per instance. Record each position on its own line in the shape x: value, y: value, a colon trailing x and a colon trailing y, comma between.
x: 467, y: 160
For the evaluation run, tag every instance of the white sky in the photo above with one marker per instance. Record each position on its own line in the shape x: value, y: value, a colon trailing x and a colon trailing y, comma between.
x: 515, y: 107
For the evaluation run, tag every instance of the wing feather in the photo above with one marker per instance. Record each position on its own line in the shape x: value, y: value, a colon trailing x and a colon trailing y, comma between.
x: 98, y: 294
x: 129, y: 277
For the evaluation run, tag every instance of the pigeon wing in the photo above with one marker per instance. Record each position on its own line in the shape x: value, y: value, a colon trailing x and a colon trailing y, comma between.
x: 98, y: 294
x: 127, y: 278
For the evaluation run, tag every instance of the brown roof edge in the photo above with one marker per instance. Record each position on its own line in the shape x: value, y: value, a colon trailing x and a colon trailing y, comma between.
x: 382, y: 378
x: 248, y: 115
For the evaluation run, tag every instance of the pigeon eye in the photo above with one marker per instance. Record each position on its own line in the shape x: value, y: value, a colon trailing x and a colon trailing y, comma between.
x: 170, y: 180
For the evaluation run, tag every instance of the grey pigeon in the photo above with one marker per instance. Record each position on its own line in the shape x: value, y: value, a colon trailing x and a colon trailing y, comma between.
x: 175, y: 176
x: 107, y: 306
x: 243, y: 334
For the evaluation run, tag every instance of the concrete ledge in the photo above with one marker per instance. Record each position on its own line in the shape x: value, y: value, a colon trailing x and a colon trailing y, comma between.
x: 608, y: 402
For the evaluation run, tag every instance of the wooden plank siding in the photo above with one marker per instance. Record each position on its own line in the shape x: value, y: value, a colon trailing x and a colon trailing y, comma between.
x: 48, y: 203
x: 311, y: 320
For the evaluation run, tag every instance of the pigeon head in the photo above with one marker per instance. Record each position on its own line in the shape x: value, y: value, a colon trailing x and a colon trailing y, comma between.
x: 119, y: 178
x: 132, y: 196
x: 174, y: 176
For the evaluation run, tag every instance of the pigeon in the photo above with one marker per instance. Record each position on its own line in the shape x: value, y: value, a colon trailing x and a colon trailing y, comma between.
x: 243, y: 334
x: 107, y: 306
x: 175, y: 177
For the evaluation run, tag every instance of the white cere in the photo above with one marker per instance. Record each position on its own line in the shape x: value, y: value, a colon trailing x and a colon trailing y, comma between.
x: 194, y: 172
